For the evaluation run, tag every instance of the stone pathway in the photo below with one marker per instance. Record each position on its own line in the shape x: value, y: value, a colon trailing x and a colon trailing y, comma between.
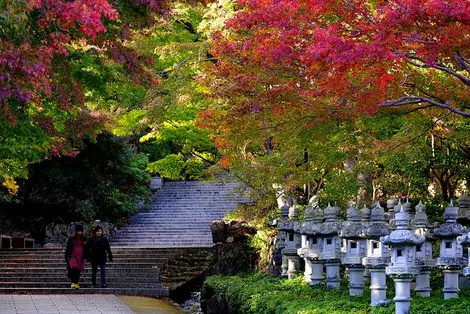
x: 63, y: 304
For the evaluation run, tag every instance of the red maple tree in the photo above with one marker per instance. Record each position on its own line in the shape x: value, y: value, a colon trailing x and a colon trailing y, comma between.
x: 345, y: 58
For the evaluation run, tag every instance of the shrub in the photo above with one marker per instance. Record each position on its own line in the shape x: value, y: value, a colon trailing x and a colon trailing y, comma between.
x: 257, y: 293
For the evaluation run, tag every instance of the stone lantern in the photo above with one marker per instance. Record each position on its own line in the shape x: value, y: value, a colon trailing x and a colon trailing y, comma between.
x: 424, y: 259
x: 407, y: 207
x: 365, y: 219
x: 311, y: 244
x: 292, y: 243
x: 450, y: 259
x: 378, y: 255
x: 331, y: 246
x: 282, y: 226
x: 403, y: 268
x: 464, y: 241
x: 355, y: 250
x: 390, y: 214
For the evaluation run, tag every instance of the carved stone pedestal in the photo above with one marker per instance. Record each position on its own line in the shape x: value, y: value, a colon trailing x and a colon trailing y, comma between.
x: 451, y: 283
x: 423, y: 287
x: 402, y: 294
x: 332, y: 274
x: 378, y: 286
x: 356, y: 280
x: 293, y: 266
x: 317, y: 273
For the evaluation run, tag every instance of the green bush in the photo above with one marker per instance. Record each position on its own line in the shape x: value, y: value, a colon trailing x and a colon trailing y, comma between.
x: 257, y: 293
x: 169, y: 167
x: 195, y: 169
x: 176, y: 167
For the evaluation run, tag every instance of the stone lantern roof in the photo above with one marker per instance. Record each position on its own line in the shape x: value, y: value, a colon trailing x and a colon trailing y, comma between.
x: 332, y: 224
x: 352, y: 228
x: 407, y: 206
x: 365, y: 214
x: 378, y: 227
x: 313, y: 225
x: 402, y: 235
x: 398, y: 206
x: 420, y: 222
x: 450, y: 228
x: 420, y: 219
x: 285, y: 210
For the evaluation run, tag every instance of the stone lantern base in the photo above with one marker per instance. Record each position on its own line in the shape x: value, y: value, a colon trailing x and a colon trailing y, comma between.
x: 332, y: 273
x: 356, y: 279
x: 423, y: 282
x: 317, y: 273
x: 451, y: 283
x: 378, y: 286
x: 402, y: 293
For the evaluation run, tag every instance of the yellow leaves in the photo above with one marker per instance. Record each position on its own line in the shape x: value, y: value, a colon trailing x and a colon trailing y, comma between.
x: 10, y: 183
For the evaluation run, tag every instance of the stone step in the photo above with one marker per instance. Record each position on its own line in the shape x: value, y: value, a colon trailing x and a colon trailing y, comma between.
x: 59, y: 270
x: 164, y: 238
x: 47, y: 260
x: 167, y: 245
x: 140, y: 277
x: 151, y: 227
x: 109, y: 266
x: 118, y: 291
x: 115, y: 249
x: 65, y: 283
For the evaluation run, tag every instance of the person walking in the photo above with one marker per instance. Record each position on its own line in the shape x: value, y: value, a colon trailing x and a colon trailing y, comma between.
x: 98, y: 247
x: 75, y: 254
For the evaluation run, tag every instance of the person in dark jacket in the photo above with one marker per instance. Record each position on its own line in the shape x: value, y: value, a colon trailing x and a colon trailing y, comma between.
x: 98, y: 246
x: 75, y: 254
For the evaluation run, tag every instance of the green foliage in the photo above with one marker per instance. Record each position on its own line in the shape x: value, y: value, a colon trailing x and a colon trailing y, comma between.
x: 257, y: 293
x: 176, y: 167
x: 171, y: 167
x: 105, y: 181
x: 195, y: 169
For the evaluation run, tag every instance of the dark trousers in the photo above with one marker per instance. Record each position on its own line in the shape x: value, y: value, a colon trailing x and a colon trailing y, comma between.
x: 74, y: 275
x: 94, y: 269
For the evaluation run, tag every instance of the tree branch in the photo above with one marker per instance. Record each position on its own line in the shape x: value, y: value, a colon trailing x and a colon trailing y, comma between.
x: 440, y: 67
x: 411, y: 100
x: 462, y: 62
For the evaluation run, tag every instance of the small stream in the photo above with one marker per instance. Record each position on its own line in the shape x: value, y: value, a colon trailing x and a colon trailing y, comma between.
x: 192, y: 305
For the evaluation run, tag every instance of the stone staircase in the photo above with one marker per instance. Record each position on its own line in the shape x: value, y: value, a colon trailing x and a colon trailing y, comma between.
x: 162, y: 247
x: 41, y: 271
x: 180, y: 215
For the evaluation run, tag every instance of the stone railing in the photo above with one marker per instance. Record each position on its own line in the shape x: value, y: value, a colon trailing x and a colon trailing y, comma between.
x: 374, y: 243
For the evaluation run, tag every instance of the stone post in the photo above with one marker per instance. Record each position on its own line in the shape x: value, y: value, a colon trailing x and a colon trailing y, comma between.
x: 355, y: 251
x: 331, y: 246
x: 292, y: 243
x: 302, y: 253
x: 424, y: 258
x: 282, y: 237
x: 311, y: 243
x: 378, y: 255
x: 365, y: 220
x: 450, y: 258
x: 403, y: 267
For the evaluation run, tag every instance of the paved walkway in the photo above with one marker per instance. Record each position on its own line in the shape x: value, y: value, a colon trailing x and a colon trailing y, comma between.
x: 63, y: 304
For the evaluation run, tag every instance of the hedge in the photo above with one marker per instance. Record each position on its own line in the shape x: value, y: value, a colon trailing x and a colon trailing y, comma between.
x: 258, y: 293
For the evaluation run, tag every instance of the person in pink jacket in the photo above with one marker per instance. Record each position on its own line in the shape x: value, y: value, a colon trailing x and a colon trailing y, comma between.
x: 75, y: 255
